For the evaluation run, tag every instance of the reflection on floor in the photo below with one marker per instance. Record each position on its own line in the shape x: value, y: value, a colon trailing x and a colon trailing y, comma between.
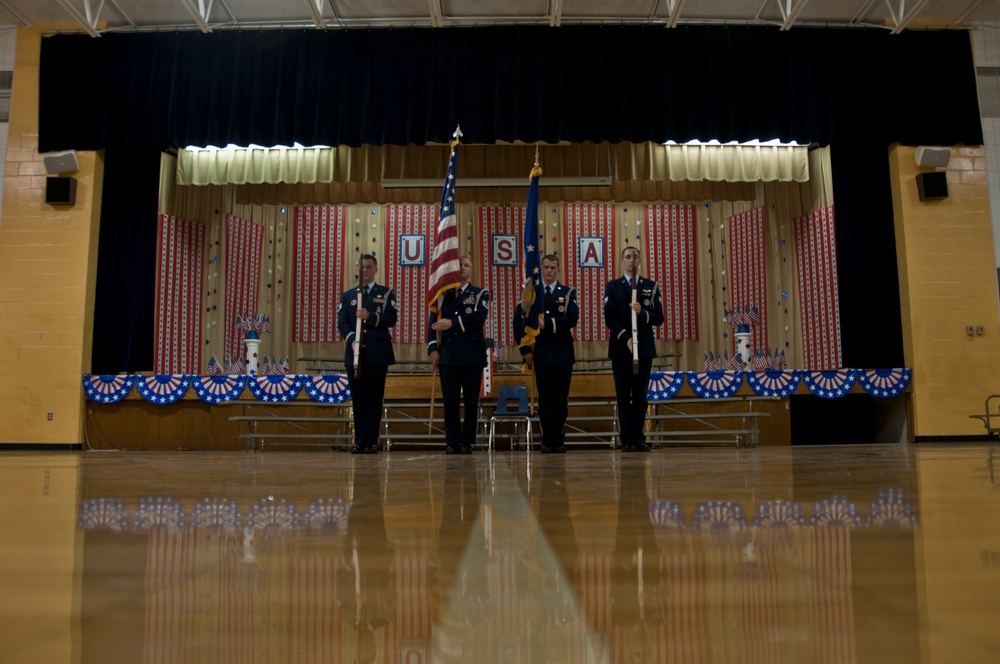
x: 804, y: 554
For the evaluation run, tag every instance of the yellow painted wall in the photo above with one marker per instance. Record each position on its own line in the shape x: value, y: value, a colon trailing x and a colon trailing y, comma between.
x: 947, y: 282
x: 48, y: 258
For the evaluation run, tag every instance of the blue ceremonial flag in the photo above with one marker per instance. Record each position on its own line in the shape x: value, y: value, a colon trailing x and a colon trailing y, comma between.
x: 531, y: 295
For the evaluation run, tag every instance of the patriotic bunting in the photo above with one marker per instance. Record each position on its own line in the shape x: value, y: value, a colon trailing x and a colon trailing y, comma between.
x: 835, y: 511
x: 218, y: 389
x: 163, y: 388
x: 328, y: 388
x: 666, y: 514
x: 327, y: 513
x: 884, y: 383
x: 671, y: 259
x: 664, y: 384
x: 276, y: 388
x: 158, y: 512
x: 715, y: 384
x: 107, y: 389
x: 779, y: 513
x: 891, y: 509
x: 830, y: 384
x: 719, y: 514
x: 774, y: 382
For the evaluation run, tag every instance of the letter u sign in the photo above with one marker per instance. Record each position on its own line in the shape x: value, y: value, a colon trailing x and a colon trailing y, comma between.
x: 412, y: 250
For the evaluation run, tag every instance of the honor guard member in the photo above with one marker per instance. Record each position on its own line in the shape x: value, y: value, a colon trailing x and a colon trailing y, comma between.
x: 457, y: 347
x: 631, y: 388
x: 552, y: 355
x: 377, y: 312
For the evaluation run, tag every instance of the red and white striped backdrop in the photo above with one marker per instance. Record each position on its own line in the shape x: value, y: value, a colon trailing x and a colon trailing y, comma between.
x: 748, y: 270
x: 671, y: 251
x: 171, y: 595
x: 244, y: 244
x: 833, y: 602
x: 594, y: 573
x: 589, y: 220
x: 685, y: 631
x: 179, y: 287
x: 321, y: 243
x: 816, y: 246
x: 316, y: 622
x: 410, y: 283
x: 502, y: 281
x: 410, y: 634
x: 760, y: 618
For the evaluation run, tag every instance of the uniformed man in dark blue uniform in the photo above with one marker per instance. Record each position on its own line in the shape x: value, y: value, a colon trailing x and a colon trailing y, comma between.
x: 552, y: 356
x: 376, y: 309
x: 457, y: 347
x: 630, y: 388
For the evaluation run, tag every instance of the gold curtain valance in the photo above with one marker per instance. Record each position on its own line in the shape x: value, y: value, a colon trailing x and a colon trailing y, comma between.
x: 711, y: 162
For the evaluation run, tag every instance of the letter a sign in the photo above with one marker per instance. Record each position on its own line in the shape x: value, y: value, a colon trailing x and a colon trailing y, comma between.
x: 412, y: 249
x: 590, y: 251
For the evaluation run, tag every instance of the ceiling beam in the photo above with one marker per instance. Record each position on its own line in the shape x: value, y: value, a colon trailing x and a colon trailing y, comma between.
x: 790, y: 13
x: 862, y: 12
x: 675, y: 7
x: 969, y: 12
x: 905, y: 16
x: 124, y: 17
x: 201, y: 13
x: 435, y: 7
x: 316, y: 11
x: 87, y: 20
x: 557, y: 9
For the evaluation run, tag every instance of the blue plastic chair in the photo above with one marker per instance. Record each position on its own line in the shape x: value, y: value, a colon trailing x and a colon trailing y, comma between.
x: 512, y: 406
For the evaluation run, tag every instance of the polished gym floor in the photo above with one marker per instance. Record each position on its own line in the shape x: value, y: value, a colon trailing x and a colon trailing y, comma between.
x: 847, y: 553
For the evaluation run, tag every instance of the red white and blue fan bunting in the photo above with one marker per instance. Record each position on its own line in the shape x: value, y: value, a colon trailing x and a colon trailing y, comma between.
x: 715, y: 384
x: 891, y: 509
x: 216, y: 389
x: 774, y: 382
x: 103, y: 514
x: 163, y: 388
x: 719, y: 515
x: 779, y: 513
x: 275, y: 388
x: 328, y: 513
x: 835, y: 511
x: 328, y: 388
x: 884, y: 383
x: 666, y: 514
x: 830, y: 384
x: 107, y: 389
x: 664, y: 384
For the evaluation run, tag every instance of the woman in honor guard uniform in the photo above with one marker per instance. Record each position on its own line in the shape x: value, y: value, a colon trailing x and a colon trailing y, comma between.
x: 457, y: 347
x: 552, y: 355
x: 374, y: 314
x: 630, y: 385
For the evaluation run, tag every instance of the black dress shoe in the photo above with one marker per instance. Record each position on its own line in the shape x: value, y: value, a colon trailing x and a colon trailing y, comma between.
x: 357, y: 449
x: 466, y: 449
x: 557, y: 449
x: 452, y: 450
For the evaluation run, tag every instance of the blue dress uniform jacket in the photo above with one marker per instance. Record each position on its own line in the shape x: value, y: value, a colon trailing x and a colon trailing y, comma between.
x: 554, y: 343
x: 618, y: 316
x: 377, y: 342
x: 553, y: 361
x: 368, y: 390
x: 464, y: 344
x: 461, y: 358
x: 631, y: 388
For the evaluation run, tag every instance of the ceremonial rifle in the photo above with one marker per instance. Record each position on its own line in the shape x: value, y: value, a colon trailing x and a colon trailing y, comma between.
x: 359, y: 326
x: 635, y: 323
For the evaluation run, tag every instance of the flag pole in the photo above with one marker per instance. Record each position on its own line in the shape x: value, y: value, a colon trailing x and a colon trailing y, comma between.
x: 635, y: 323
x: 434, y: 375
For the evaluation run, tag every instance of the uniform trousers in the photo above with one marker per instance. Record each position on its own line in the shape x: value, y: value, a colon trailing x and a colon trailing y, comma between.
x: 553, y: 381
x: 367, y: 393
x: 456, y: 382
x: 631, y: 393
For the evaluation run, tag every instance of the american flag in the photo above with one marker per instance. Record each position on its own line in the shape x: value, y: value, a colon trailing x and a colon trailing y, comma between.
x: 321, y: 243
x: 407, y: 280
x: 709, y: 361
x: 587, y: 221
x: 531, y: 296
x: 445, y: 269
x: 502, y: 280
x: 778, y: 362
x: 762, y: 360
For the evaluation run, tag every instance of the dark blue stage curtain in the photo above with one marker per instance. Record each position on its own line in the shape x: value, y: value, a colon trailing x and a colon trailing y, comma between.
x: 126, y: 263
x: 856, y: 90
x: 412, y: 86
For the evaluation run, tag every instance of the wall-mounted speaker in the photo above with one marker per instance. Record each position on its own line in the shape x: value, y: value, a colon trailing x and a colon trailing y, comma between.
x: 60, y: 191
x: 928, y: 156
x: 932, y: 186
x: 60, y: 162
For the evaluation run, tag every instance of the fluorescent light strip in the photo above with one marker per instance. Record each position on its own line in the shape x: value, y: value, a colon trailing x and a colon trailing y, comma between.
x: 427, y: 183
